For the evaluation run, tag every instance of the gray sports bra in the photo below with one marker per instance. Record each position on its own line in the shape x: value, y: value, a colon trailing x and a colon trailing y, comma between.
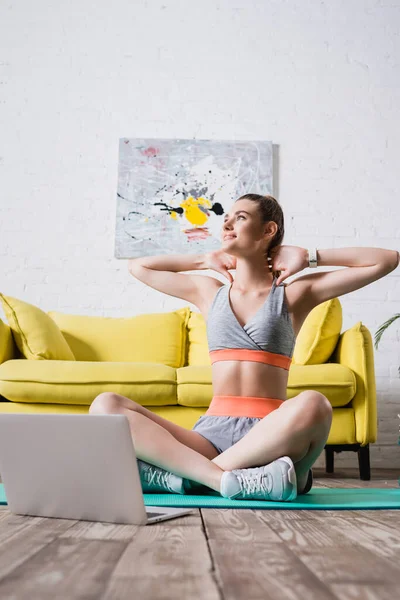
x: 267, y: 337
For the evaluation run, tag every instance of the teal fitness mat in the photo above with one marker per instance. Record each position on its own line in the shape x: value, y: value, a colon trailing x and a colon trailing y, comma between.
x: 316, y: 499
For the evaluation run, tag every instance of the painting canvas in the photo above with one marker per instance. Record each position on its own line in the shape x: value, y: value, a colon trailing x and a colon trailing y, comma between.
x: 172, y: 194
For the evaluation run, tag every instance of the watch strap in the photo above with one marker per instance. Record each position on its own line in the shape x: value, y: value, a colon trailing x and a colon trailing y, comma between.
x: 312, y: 258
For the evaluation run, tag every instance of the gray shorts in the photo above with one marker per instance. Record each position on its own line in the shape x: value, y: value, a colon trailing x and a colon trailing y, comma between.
x: 223, y: 432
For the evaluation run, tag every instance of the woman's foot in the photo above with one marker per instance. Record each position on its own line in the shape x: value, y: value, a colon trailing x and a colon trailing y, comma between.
x: 155, y: 480
x: 275, y: 481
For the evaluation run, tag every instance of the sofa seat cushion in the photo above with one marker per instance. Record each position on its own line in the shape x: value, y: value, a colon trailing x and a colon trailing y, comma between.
x: 343, y: 428
x: 194, y: 386
x: 35, y: 333
x: 336, y: 382
x: 79, y: 382
x: 147, y: 338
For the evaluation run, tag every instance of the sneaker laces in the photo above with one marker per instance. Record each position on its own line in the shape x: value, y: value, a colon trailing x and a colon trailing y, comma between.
x: 156, y: 476
x: 255, y: 482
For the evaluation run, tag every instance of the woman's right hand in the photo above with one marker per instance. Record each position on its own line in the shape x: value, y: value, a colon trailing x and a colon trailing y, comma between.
x: 221, y: 262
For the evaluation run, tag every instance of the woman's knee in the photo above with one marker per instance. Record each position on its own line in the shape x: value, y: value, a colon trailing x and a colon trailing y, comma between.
x: 316, y: 406
x: 108, y: 402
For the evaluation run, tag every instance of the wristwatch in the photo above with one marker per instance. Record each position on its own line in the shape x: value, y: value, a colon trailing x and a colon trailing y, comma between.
x: 312, y: 258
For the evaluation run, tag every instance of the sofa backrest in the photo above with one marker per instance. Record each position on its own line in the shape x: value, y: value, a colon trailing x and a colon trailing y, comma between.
x: 197, y: 353
x: 176, y: 339
x: 156, y: 337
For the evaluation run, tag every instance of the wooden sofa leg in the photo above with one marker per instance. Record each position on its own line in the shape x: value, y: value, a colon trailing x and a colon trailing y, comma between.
x: 329, y: 459
x: 363, y: 463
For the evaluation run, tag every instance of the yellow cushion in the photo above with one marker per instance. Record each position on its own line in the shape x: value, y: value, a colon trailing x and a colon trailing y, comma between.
x: 197, y: 338
x: 319, y: 334
x: 6, y: 343
x: 148, y: 338
x: 79, y: 382
x: 34, y: 332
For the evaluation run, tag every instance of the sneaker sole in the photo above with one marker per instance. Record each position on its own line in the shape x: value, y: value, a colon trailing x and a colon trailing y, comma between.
x: 292, y: 478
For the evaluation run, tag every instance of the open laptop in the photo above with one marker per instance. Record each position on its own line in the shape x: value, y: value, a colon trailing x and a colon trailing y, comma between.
x: 74, y: 467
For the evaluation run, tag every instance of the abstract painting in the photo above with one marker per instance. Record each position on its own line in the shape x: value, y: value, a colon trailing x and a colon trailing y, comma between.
x: 172, y: 194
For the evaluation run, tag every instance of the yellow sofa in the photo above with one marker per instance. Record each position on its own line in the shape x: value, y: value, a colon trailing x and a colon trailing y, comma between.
x: 56, y: 362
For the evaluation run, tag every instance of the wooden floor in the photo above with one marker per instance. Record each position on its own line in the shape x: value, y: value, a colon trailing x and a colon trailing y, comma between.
x: 211, y: 554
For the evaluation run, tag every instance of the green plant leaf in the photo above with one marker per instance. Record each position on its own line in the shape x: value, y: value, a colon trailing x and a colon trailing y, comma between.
x: 383, y: 328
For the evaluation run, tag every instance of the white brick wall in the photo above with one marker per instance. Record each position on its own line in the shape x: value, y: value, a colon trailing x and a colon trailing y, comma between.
x: 319, y: 79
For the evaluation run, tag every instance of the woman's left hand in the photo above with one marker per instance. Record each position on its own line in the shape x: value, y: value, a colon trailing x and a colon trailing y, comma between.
x: 289, y: 260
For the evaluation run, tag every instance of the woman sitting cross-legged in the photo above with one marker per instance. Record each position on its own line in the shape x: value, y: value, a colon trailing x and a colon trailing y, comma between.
x: 252, y: 442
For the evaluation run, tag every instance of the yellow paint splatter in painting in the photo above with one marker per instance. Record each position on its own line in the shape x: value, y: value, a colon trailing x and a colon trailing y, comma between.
x: 193, y: 213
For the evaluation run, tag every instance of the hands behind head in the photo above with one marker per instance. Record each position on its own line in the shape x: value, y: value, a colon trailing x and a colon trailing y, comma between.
x: 286, y: 259
x: 221, y: 262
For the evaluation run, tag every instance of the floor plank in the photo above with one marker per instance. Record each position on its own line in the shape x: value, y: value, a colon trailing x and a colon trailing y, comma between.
x: 64, y: 568
x: 265, y: 571
x: 186, y: 586
x: 350, y: 564
x: 365, y: 592
x: 21, y: 537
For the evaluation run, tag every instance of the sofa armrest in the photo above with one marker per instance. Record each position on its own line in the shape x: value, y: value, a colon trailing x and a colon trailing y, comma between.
x: 355, y: 350
x: 8, y: 349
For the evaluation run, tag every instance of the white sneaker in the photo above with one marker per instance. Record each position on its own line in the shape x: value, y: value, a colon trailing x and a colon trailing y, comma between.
x: 275, y: 481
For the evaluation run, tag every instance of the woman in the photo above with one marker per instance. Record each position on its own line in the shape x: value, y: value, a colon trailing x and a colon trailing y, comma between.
x: 252, y: 442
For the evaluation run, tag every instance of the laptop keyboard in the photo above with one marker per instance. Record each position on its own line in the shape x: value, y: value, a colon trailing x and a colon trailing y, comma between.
x: 154, y: 514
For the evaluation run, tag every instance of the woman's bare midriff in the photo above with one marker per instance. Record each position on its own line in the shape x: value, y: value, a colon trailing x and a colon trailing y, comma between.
x: 246, y: 378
